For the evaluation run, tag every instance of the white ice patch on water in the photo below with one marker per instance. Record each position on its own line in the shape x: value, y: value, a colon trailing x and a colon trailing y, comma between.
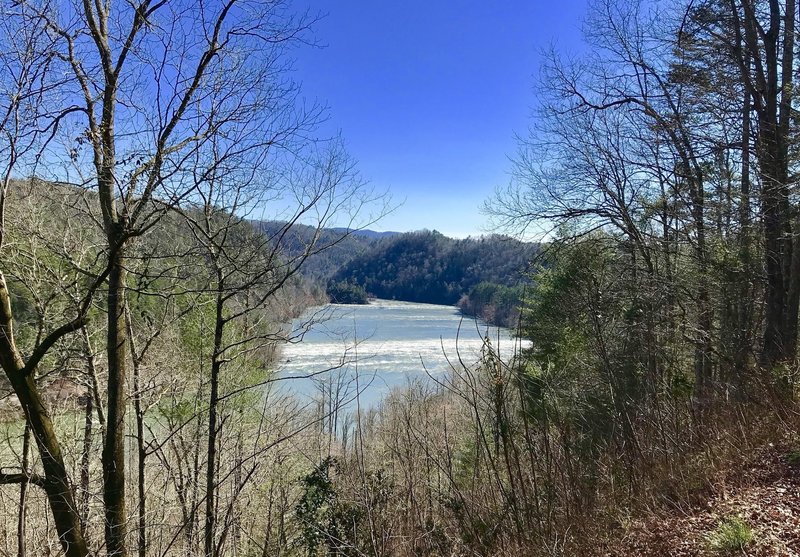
x: 390, y: 342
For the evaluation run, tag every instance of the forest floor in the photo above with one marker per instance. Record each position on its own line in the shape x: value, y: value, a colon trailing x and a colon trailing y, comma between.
x: 763, y: 491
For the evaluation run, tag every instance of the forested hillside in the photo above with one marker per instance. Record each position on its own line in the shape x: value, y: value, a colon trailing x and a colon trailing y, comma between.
x: 432, y: 268
x: 341, y: 245
x: 484, y: 276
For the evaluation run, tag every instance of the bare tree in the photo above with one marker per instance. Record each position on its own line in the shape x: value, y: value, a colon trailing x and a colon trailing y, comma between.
x: 757, y: 41
x: 248, y: 270
x: 618, y: 138
x: 27, y: 123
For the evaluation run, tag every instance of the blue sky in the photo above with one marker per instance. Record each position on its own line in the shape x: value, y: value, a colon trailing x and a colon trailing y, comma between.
x: 429, y: 94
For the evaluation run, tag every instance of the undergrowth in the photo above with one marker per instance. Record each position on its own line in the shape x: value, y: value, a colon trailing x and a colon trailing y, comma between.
x: 731, y: 535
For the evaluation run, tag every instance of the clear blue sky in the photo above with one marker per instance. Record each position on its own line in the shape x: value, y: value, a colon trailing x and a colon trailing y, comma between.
x: 429, y: 94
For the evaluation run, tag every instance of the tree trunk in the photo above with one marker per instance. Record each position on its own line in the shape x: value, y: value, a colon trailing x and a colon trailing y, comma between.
x: 141, y: 477
x: 772, y: 98
x: 86, y: 458
x: 56, y: 481
x: 744, y: 312
x: 211, y: 449
x: 23, y: 493
x: 114, y: 447
x: 778, y: 342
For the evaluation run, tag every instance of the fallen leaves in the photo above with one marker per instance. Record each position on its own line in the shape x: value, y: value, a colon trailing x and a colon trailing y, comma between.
x: 765, y: 494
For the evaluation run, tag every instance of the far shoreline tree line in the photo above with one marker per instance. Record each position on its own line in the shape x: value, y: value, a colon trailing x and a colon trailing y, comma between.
x: 484, y: 277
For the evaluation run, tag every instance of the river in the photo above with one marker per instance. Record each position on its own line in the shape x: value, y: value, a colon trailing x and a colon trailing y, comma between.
x: 385, y: 344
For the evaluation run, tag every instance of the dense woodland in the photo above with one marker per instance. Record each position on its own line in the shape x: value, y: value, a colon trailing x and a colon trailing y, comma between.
x: 341, y: 246
x: 484, y: 276
x: 145, y: 292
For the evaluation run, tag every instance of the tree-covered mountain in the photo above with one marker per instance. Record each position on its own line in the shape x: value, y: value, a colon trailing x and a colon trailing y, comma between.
x: 341, y: 245
x: 429, y: 267
x: 482, y: 275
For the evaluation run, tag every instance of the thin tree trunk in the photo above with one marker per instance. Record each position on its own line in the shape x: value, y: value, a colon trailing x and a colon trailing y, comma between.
x: 23, y: 492
x: 141, y: 452
x: 86, y: 457
x: 114, y: 448
x: 745, y: 252
x: 792, y: 255
x: 94, y: 385
x: 211, y: 448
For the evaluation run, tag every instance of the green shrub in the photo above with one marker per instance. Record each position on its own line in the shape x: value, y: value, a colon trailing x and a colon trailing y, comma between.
x: 793, y: 458
x: 732, y: 534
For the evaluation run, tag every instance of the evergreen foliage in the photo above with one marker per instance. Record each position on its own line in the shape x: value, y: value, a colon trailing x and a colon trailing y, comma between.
x: 431, y: 268
x: 494, y: 303
x: 343, y: 292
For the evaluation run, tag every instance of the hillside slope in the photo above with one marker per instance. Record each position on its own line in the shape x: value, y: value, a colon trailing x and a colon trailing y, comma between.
x: 431, y: 268
x: 344, y: 245
x: 760, y: 496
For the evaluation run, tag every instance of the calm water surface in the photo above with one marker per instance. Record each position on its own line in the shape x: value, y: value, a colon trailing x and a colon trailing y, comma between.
x: 383, y: 345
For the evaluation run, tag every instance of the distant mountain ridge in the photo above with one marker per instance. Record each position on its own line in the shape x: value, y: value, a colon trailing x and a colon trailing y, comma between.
x: 344, y: 244
x: 374, y: 234
x: 484, y: 276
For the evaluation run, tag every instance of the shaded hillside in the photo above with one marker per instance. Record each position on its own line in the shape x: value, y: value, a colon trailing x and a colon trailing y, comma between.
x: 482, y: 275
x: 432, y: 268
x: 344, y: 245
x: 52, y: 240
